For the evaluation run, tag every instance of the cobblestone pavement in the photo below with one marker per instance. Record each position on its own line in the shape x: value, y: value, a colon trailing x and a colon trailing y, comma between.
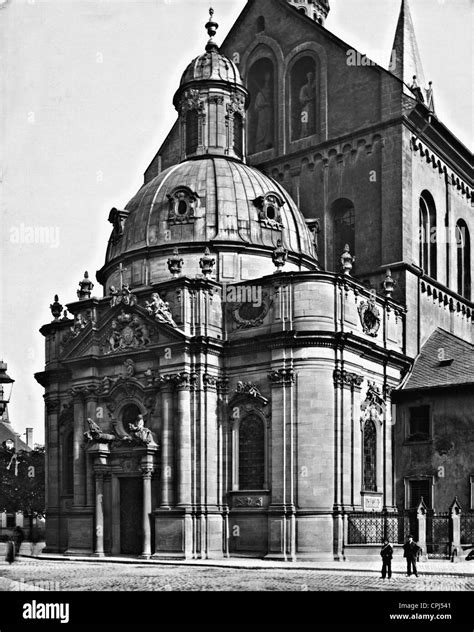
x: 83, y: 576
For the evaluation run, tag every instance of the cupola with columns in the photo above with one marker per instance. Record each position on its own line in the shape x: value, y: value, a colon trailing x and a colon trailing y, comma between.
x: 212, y: 102
x: 316, y: 9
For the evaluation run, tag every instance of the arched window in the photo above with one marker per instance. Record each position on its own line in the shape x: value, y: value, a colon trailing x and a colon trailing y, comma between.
x: 251, y: 453
x: 303, y: 106
x: 192, y: 133
x: 238, y: 134
x: 261, y: 126
x: 260, y: 24
x: 428, y: 237
x: 463, y: 246
x: 370, y: 450
x: 343, y: 214
x: 68, y: 463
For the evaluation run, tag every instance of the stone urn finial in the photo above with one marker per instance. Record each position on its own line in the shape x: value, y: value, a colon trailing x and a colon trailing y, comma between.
x: 56, y: 308
x: 347, y: 260
x: 279, y: 256
x: 85, y: 288
x: 388, y: 284
x: 207, y: 263
x: 175, y: 263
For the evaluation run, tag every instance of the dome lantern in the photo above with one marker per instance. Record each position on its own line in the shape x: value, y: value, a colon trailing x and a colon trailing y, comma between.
x: 212, y: 102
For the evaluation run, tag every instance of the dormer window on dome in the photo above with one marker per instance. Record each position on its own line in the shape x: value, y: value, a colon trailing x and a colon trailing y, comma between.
x: 182, y: 206
x: 117, y: 219
x: 269, y: 207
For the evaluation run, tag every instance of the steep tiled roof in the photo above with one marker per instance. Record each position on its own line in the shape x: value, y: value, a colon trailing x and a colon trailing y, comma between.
x: 430, y: 371
x: 8, y: 432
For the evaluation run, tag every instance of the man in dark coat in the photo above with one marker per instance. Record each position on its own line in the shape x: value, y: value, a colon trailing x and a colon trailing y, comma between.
x: 10, y: 556
x: 386, y: 553
x: 411, y: 550
x: 18, y: 536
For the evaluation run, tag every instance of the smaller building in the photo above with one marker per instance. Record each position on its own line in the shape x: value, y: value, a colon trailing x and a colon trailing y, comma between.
x: 435, y: 436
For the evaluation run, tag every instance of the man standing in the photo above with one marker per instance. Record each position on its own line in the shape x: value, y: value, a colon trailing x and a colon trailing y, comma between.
x: 386, y: 553
x: 411, y: 549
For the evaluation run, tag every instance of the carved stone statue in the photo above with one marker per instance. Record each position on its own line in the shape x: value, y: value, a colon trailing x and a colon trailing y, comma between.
x: 308, y: 110
x: 95, y: 434
x: 140, y: 433
x: 113, y: 293
x: 160, y: 310
x: 263, y: 112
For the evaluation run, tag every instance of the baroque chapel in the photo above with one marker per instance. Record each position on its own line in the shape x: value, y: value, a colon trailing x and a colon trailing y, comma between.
x: 263, y: 368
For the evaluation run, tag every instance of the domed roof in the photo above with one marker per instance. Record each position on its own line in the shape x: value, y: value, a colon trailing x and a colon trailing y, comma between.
x: 211, y: 65
x: 222, y: 200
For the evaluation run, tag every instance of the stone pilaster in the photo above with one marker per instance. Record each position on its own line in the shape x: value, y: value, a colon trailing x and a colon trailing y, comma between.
x: 53, y: 472
x: 79, y: 455
x: 167, y: 446
x: 281, y: 518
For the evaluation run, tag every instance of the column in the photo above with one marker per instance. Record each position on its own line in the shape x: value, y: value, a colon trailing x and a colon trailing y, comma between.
x: 99, y: 514
x: 146, y: 475
x: 167, y: 451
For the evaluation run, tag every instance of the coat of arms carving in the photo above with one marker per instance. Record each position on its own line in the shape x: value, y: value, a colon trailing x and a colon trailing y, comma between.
x: 127, y: 331
x: 369, y: 315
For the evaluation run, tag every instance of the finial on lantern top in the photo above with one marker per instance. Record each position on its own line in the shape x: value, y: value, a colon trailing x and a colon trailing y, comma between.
x: 211, y: 28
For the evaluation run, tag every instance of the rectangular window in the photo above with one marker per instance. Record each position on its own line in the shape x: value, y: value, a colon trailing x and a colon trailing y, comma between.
x: 419, y: 424
x: 10, y: 521
x: 417, y: 489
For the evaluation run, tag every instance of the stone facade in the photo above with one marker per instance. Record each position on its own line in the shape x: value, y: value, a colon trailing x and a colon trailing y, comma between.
x: 232, y: 391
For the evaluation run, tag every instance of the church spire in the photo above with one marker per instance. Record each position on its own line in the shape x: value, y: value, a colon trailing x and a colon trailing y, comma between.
x: 406, y: 60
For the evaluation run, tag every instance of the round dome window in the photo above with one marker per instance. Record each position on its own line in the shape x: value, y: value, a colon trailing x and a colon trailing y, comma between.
x: 182, y: 207
x: 271, y: 214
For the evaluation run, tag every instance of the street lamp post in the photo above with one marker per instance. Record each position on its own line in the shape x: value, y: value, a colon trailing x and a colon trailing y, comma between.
x: 6, y: 386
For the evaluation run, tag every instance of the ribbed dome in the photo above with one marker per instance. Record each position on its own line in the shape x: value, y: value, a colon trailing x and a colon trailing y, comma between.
x: 226, y: 207
x: 212, y: 65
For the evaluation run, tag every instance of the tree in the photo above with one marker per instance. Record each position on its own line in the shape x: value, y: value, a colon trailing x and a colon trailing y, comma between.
x: 22, y: 482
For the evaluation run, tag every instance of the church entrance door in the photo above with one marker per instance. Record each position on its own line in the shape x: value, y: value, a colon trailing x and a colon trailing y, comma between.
x: 131, y: 509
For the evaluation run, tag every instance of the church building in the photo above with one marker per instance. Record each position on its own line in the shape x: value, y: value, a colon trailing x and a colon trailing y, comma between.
x: 297, y: 264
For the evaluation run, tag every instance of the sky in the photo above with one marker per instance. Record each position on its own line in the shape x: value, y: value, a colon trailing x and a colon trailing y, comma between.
x: 86, y: 91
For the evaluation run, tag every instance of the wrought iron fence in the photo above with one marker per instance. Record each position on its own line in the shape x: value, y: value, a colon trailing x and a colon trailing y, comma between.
x: 438, y: 535
x: 374, y: 527
x: 467, y: 528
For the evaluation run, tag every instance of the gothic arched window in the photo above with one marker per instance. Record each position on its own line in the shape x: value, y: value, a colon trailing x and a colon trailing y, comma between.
x: 251, y: 453
x: 192, y: 131
x: 238, y: 134
x: 427, y: 237
x: 343, y: 214
x: 68, y: 463
x: 370, y: 450
x: 261, y: 125
x: 463, y: 245
x: 303, y: 105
